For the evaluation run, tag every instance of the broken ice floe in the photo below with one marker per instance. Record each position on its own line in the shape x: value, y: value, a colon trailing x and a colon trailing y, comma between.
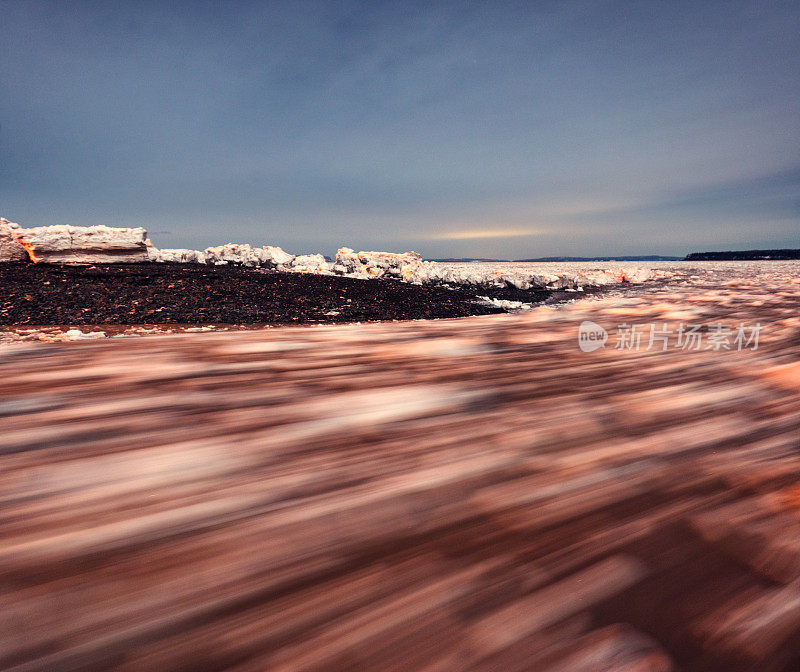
x: 10, y: 247
x: 509, y: 306
x: 82, y: 244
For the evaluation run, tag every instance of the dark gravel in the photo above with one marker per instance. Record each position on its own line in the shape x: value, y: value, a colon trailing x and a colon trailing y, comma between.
x: 194, y: 294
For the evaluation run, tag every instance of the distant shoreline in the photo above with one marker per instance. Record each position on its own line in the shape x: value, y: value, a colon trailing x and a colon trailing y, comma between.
x: 728, y: 255
x: 465, y: 260
x: 745, y: 255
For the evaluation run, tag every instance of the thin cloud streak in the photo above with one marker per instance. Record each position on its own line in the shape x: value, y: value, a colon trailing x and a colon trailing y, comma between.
x: 477, y: 234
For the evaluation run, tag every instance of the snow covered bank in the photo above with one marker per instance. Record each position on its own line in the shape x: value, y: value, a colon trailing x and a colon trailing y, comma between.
x: 406, y: 266
x: 102, y: 244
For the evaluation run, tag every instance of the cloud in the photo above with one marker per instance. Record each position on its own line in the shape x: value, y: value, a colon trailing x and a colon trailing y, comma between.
x: 474, y: 234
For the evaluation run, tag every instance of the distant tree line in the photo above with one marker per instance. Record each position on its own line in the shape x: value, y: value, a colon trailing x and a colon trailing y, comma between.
x: 743, y: 255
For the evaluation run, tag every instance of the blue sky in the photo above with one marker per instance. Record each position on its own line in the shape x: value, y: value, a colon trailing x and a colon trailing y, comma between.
x: 506, y: 129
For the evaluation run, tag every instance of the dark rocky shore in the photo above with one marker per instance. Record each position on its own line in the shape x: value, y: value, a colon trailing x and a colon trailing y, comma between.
x: 57, y: 294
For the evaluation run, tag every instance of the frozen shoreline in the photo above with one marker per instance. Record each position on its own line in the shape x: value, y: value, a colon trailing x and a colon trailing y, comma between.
x: 690, y: 291
x: 103, y: 244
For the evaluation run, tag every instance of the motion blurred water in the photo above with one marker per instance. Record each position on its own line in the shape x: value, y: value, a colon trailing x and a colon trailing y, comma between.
x: 471, y: 494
